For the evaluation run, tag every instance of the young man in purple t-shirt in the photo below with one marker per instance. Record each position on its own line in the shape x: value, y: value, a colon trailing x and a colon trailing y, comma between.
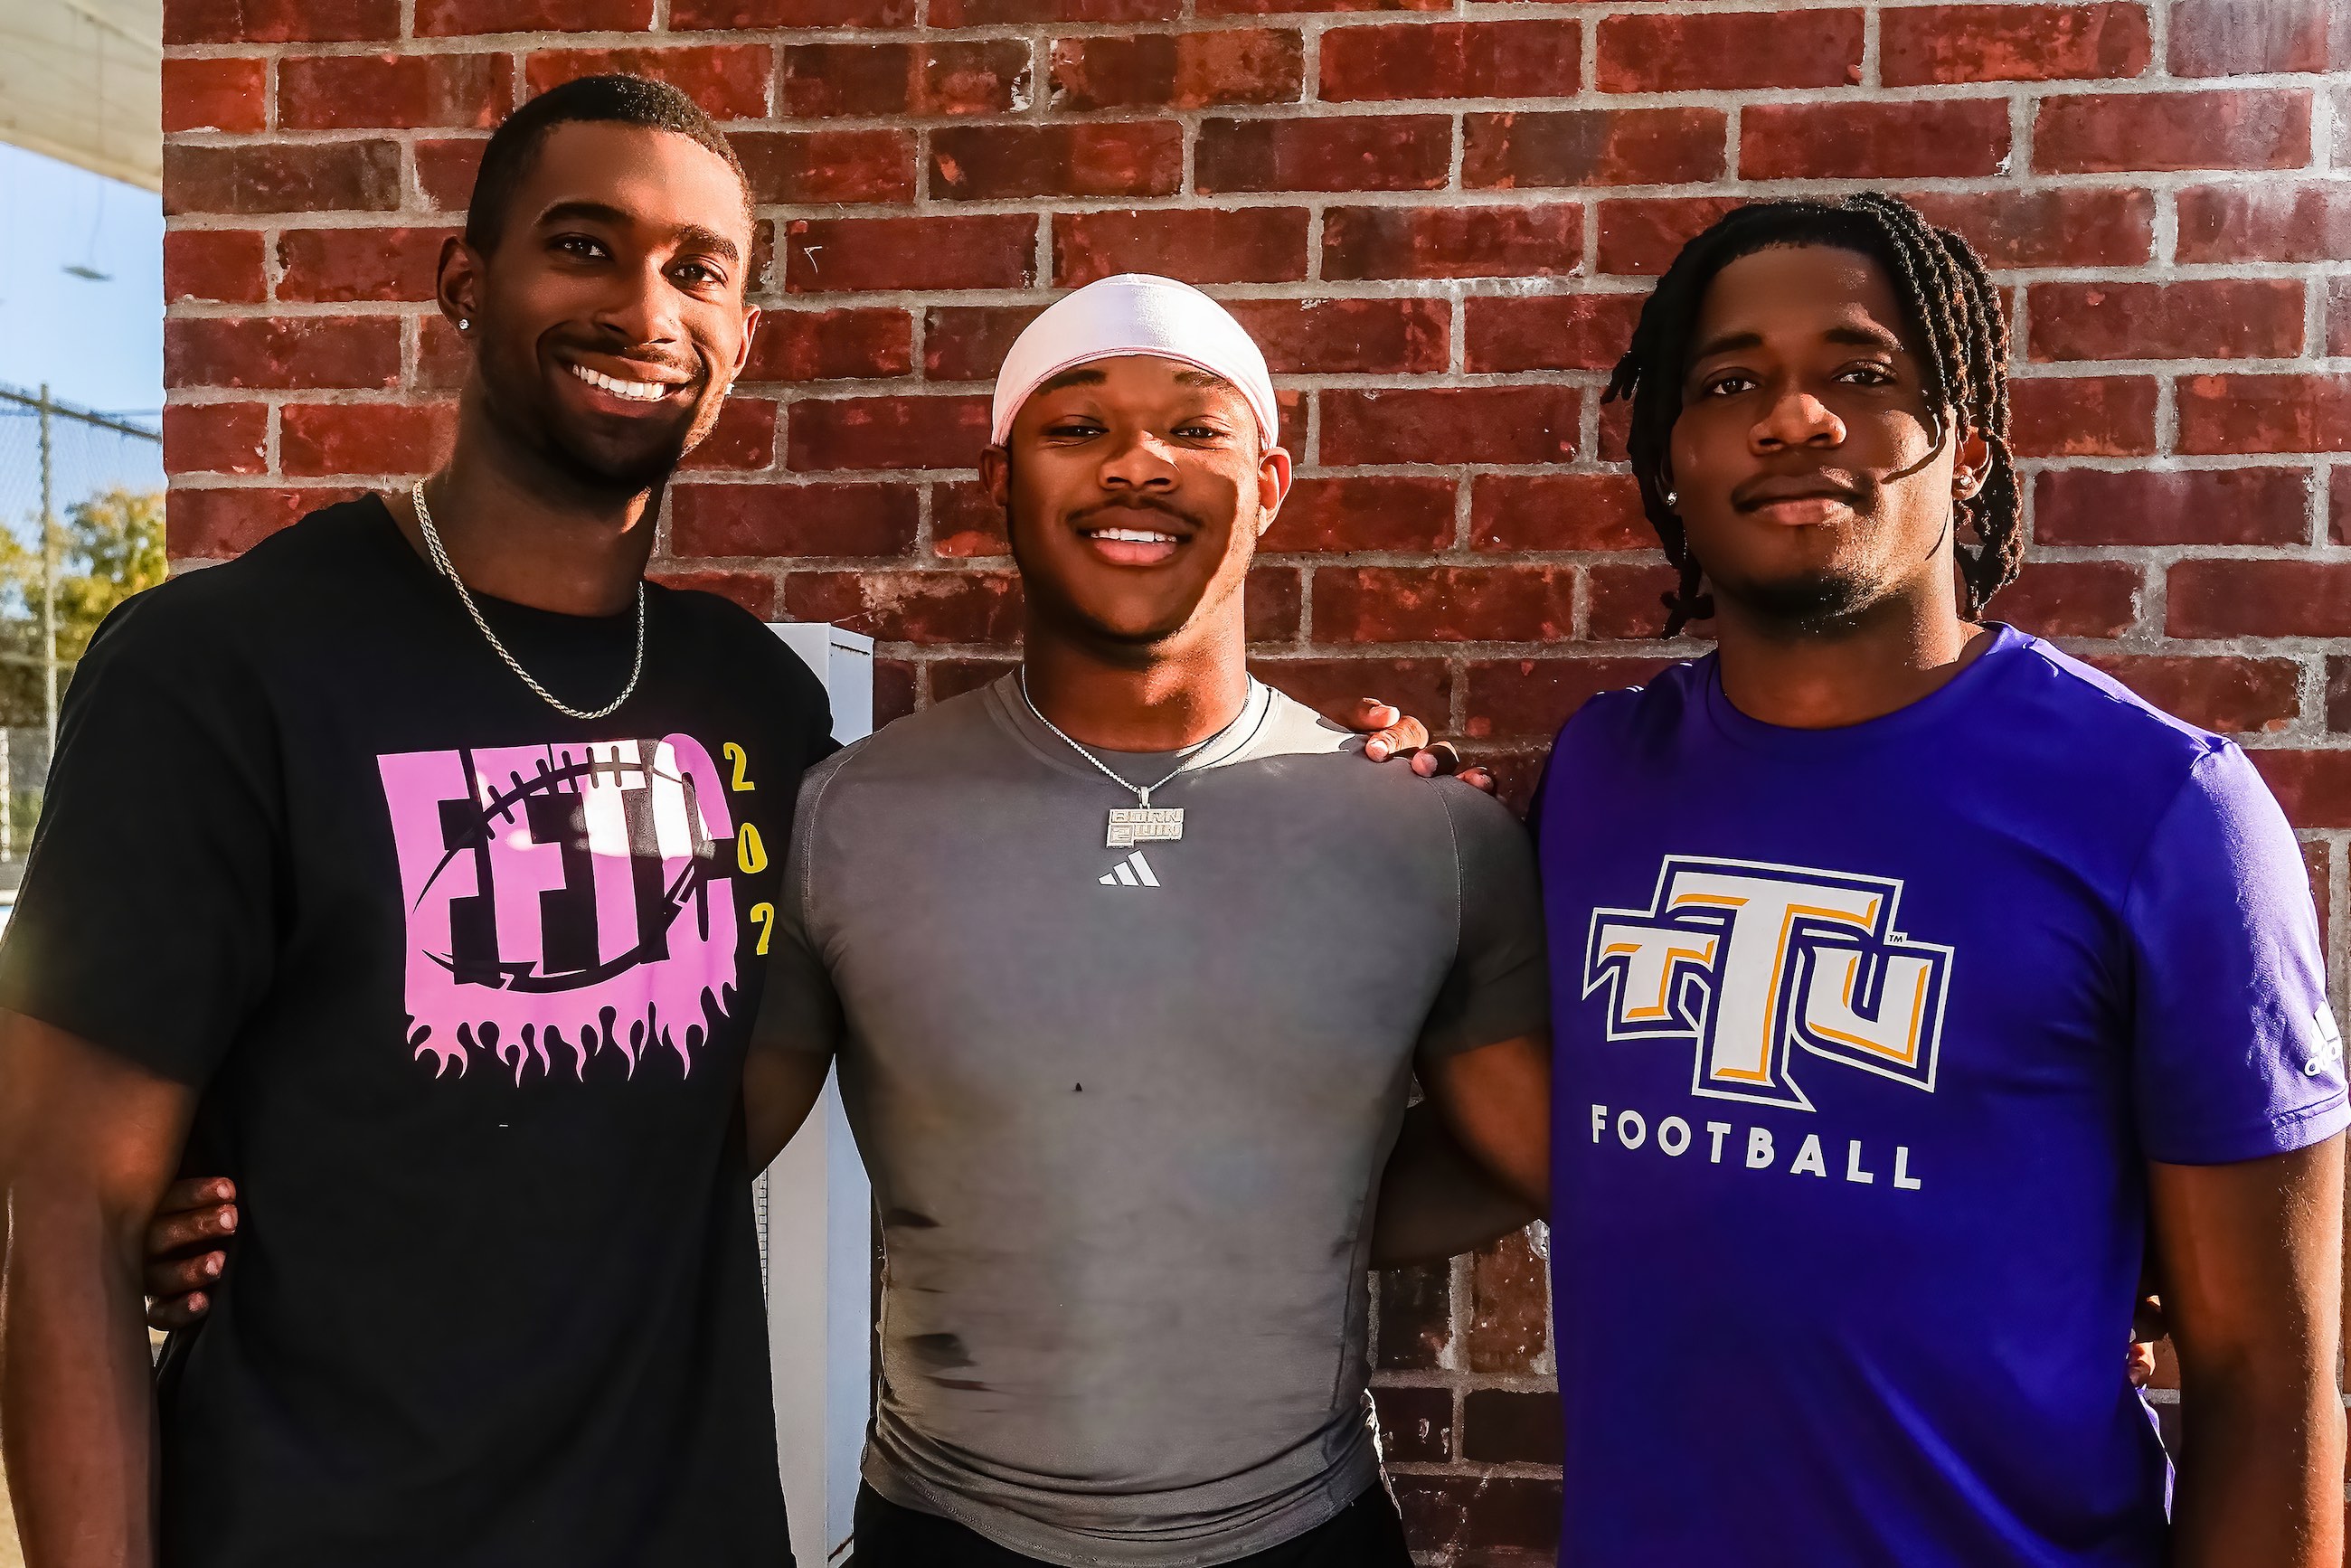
x: 1913, y: 982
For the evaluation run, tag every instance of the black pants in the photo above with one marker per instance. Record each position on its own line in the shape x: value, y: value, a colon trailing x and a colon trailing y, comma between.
x: 1367, y: 1534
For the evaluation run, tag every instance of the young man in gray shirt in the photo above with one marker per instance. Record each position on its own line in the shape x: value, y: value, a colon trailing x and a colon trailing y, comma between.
x: 1126, y: 1018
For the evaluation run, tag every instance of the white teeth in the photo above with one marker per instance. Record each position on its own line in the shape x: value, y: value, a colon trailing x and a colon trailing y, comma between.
x: 1134, y: 536
x: 635, y: 392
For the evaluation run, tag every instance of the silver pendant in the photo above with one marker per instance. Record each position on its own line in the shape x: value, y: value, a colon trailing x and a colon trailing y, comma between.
x: 1132, y: 825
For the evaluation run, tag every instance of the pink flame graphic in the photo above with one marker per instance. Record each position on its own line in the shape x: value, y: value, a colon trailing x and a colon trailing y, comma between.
x: 631, y: 841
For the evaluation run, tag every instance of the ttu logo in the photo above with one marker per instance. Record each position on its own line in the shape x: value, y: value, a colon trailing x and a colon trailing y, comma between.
x: 1749, y: 962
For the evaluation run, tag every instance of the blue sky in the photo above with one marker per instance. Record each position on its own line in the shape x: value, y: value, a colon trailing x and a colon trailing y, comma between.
x: 97, y: 343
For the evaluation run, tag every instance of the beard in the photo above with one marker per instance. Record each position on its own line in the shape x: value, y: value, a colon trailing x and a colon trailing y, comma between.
x: 517, y: 402
x: 1807, y: 605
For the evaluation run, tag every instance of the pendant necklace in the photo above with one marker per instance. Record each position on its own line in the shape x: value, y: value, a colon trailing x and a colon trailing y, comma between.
x: 441, y: 562
x: 1143, y: 822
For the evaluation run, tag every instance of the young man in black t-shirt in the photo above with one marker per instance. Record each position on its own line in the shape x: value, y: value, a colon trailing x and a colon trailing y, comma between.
x: 415, y: 869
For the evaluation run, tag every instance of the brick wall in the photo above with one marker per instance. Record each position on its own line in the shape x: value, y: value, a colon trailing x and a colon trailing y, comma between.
x: 1438, y: 216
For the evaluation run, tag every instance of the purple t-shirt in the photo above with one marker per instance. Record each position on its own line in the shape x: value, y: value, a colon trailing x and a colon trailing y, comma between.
x: 1863, y: 1036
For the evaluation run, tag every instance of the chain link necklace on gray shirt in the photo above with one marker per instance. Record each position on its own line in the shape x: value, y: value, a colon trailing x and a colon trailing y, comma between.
x: 1145, y: 823
x: 441, y: 560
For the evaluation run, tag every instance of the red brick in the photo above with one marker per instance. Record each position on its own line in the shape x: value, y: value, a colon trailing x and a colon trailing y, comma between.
x: 1416, y: 1318
x: 2314, y: 786
x: 742, y: 440
x: 324, y: 439
x: 1015, y: 12
x: 363, y: 92
x: 1452, y: 241
x: 1502, y: 1426
x: 2053, y: 226
x: 1085, y: 158
x: 1558, y: 512
x: 443, y: 360
x: 2073, y: 598
x: 2101, y: 416
x: 886, y: 433
x: 359, y: 263
x: 1178, y: 70
x: 1344, y: 336
x: 1201, y: 244
x: 1592, y: 147
x: 2200, y: 506
x: 986, y: 76
x: 1444, y: 603
x: 2338, y: 507
x: 334, y: 176
x: 730, y: 81
x: 965, y: 522
x: 1453, y: 60
x: 1421, y: 688
x: 281, y: 351
x: 1272, y: 609
x: 1500, y: 1520
x: 2266, y: 129
x: 1641, y: 236
x: 216, y: 438
x: 968, y: 343
x: 923, y: 607
x: 445, y: 18
x: 2228, y: 695
x: 1922, y: 139
x: 754, y: 591
x: 2265, y: 221
x: 1263, y: 7
x: 2258, y: 599
x: 455, y: 17
x: 2225, y: 318
x: 690, y: 16
x: 830, y: 345
x: 2265, y: 414
x: 279, y: 21
x: 800, y: 167
x: 1509, y: 1294
x: 1416, y: 1424
x: 2338, y: 316
x: 1625, y: 604
x: 1528, y: 699
x: 2338, y: 702
x: 996, y: 251
x: 1370, y: 152
x: 1382, y: 512
x: 794, y: 521
x: 215, y: 95
x: 2011, y: 42
x: 1549, y: 331
x: 214, y: 264
x: 2252, y: 38
x: 1652, y: 52
x: 209, y: 525
x: 446, y: 171
x: 1450, y: 425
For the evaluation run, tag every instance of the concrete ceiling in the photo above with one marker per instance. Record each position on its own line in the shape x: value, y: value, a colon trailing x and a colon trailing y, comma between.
x: 81, y: 80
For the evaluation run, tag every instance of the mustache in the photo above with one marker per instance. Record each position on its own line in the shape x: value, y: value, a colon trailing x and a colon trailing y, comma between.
x: 690, y: 366
x: 1762, y: 491
x: 1134, y: 504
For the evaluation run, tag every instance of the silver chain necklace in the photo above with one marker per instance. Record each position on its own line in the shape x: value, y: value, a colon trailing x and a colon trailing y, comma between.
x: 1143, y: 822
x: 441, y: 562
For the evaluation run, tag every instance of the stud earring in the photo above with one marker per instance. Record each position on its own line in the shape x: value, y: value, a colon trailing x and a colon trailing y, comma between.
x: 465, y: 324
x: 1672, y: 499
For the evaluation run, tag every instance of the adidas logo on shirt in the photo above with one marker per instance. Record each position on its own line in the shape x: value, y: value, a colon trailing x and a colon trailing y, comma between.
x: 1131, y: 871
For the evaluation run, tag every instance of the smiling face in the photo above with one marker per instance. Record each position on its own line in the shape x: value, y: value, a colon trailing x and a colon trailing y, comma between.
x: 608, y: 320
x: 1135, y: 490
x: 1803, y: 460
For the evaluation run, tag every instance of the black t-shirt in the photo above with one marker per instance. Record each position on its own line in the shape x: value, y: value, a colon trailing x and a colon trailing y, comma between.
x: 466, y: 985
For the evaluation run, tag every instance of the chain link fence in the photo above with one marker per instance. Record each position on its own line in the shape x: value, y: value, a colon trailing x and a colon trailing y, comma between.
x: 81, y: 527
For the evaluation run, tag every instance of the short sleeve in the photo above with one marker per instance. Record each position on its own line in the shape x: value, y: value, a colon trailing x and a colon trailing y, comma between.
x: 1498, y: 987
x: 2236, y: 1054
x: 147, y: 923
x: 799, y: 1010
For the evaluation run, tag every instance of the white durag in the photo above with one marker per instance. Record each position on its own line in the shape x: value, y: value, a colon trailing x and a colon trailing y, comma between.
x: 1133, y: 313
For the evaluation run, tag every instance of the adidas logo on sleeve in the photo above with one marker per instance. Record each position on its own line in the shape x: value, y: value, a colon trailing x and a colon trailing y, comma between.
x: 1131, y: 871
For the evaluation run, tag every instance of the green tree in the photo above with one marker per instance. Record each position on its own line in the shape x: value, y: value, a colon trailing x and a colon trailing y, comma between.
x: 110, y: 546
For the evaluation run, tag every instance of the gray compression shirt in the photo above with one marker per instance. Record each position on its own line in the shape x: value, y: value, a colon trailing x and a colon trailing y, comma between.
x: 1125, y: 1109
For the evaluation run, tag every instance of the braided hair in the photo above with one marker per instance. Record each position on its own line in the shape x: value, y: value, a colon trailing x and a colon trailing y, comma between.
x: 1963, y: 338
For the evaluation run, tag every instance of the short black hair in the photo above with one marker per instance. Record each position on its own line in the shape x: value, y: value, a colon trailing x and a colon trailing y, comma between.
x: 600, y: 99
x: 1953, y: 307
